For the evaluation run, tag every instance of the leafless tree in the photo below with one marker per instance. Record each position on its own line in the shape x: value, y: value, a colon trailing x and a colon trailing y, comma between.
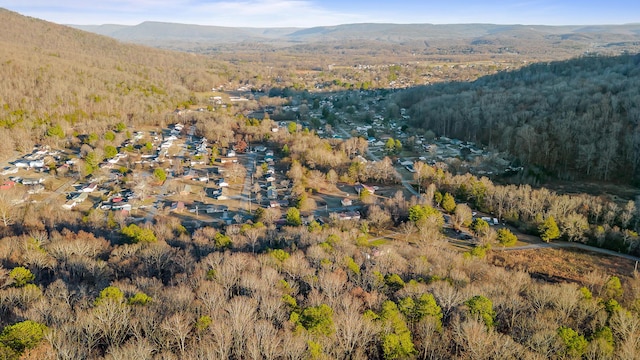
x: 177, y: 327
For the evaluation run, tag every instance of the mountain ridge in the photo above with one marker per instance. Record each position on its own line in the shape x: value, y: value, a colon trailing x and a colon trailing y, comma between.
x: 533, y: 40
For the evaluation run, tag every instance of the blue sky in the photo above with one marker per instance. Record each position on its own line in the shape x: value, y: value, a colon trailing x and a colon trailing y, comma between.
x: 307, y: 13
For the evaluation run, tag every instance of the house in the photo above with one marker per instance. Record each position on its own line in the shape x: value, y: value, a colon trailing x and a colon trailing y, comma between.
x: 222, y: 183
x: 177, y: 207
x: 346, y: 202
x: 32, y: 181
x: 360, y: 187
x: 274, y: 204
x: 228, y: 160
x: 272, y: 194
x: 124, y: 207
x: 349, y: 215
x: 186, y: 190
x: 89, y: 188
x: 190, y: 174
x: 9, y: 170
x: 8, y: 185
x: 81, y: 197
x: 35, y: 189
x: 36, y: 163
x: 69, y: 205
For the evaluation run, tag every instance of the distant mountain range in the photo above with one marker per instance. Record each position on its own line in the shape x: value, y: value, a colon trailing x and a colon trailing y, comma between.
x: 154, y: 31
x: 425, y: 38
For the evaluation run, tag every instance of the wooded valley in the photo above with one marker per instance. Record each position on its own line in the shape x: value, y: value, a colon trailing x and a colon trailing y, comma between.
x: 348, y: 255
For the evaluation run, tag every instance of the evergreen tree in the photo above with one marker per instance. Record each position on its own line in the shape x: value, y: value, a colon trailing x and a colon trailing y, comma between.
x: 549, y: 229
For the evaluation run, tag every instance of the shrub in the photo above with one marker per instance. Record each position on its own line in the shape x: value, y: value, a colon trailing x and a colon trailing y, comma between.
x: 506, y: 237
x: 23, y: 335
x: 137, y: 234
x: 21, y: 276
x: 481, y: 307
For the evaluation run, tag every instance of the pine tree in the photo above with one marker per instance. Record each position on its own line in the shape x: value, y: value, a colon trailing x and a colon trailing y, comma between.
x: 549, y: 230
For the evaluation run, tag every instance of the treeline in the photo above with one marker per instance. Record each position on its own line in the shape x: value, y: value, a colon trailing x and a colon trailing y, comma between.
x: 575, y: 119
x: 581, y: 218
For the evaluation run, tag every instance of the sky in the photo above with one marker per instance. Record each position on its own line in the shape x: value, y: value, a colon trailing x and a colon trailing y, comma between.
x: 309, y: 13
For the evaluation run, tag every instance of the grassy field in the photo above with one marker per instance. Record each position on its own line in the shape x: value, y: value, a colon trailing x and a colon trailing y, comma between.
x: 559, y: 265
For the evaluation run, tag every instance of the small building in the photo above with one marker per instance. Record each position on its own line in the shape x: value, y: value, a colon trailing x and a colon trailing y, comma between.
x: 360, y: 187
x: 177, y: 207
x: 346, y: 202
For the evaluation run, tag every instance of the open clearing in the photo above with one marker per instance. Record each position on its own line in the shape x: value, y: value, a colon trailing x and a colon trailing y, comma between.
x: 559, y: 265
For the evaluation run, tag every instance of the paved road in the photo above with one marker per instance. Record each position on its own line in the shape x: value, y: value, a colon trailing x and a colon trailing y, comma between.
x: 564, y: 244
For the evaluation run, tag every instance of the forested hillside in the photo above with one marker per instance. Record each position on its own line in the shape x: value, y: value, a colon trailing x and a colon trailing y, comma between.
x: 576, y: 119
x: 55, y: 75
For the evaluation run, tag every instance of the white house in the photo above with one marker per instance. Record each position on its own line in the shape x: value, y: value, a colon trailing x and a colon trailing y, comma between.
x: 89, y: 188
